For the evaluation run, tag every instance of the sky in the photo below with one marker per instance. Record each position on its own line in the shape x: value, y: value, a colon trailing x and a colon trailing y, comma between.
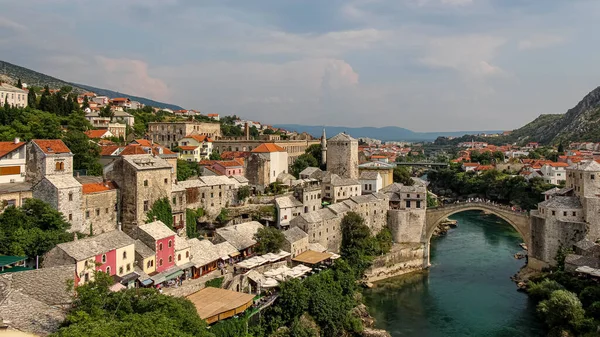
x: 426, y: 65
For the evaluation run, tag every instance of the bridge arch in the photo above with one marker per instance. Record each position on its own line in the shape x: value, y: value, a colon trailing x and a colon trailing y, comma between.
x: 435, y: 215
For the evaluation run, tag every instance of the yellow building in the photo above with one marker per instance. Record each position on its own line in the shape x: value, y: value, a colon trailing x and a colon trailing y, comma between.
x: 386, y: 171
x: 195, y: 147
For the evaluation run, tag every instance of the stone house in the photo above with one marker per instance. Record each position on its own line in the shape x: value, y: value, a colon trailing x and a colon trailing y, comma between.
x: 342, y: 156
x: 370, y: 181
x: 266, y: 163
x: 324, y: 225
x: 112, y: 252
x: 63, y: 193
x: 240, y: 236
x: 99, y: 205
x: 288, y: 208
x: 211, y: 193
x: 48, y: 157
x: 311, y: 173
x: 170, y: 133
x: 14, y: 194
x: 229, y: 168
x: 145, y: 258
x: 296, y: 241
x: 178, y: 207
x: 406, y: 197
x: 205, y: 257
x: 13, y: 157
x: 182, y: 252
x: 335, y: 189
x: 309, y: 193
x: 142, y: 180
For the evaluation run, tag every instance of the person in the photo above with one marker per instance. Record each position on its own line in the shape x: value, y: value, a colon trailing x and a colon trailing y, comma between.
x: 160, y: 290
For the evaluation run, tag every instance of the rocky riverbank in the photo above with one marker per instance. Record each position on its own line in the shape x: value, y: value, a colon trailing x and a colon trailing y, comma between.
x: 368, y: 323
x: 444, y: 227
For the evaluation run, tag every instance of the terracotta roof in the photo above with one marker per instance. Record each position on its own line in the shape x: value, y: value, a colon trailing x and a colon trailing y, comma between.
x: 97, y: 187
x: 8, y: 147
x: 228, y: 163
x: 132, y: 149
x: 268, y: 147
x: 199, y: 138
x: 234, y: 154
x: 207, y: 162
x: 143, y: 142
x: 108, y: 150
x: 188, y: 148
x: 51, y: 146
x: 213, y: 115
x: 471, y: 164
x: 165, y: 150
x: 120, y: 99
x: 558, y: 164
x: 95, y: 133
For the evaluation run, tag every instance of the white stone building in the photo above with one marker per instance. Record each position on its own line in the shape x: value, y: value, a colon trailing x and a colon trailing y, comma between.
x: 12, y: 95
x: 554, y: 173
x: 371, y: 182
x: 336, y: 189
x: 288, y: 208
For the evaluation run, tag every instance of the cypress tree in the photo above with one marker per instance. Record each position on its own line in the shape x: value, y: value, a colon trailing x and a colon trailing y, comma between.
x: 19, y: 84
x: 31, y: 99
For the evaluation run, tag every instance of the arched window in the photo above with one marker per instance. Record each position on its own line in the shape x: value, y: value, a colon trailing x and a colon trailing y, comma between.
x: 124, y: 255
x: 160, y: 262
x: 149, y: 264
x: 103, y: 258
x: 170, y: 244
x: 108, y: 270
x: 170, y: 259
x: 178, y: 257
x: 160, y: 246
x: 187, y: 254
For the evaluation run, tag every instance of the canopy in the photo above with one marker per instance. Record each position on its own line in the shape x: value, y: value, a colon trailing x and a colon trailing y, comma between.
x: 117, y: 287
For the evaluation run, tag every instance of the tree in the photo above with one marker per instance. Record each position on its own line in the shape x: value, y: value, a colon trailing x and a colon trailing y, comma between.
x: 19, y: 84
x: 402, y: 176
x: 31, y: 99
x: 215, y: 155
x: 317, y: 153
x: 187, y: 169
x: 191, y: 222
x: 270, y: 240
x: 562, y: 309
x: 303, y: 161
x: 32, y: 229
x: 107, y: 111
x: 97, y: 311
x: 357, y: 246
x: 161, y: 209
x: 86, y: 102
x: 243, y: 193
x: 86, y: 154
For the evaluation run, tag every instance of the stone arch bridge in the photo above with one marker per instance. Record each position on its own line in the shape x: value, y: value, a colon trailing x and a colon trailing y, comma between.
x: 520, y: 221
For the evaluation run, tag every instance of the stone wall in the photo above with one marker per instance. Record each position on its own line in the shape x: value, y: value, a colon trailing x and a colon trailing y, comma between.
x: 548, y: 235
x: 99, y: 211
x: 342, y: 158
x: 402, y: 259
x: 257, y: 171
x: 407, y: 225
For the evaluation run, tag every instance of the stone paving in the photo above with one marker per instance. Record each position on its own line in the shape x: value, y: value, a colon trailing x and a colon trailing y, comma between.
x: 191, y: 286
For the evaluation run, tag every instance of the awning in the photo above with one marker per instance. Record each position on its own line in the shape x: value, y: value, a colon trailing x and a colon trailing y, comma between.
x: 174, y: 275
x: 129, y: 277
x: 146, y: 282
x: 167, y: 275
x: 186, y: 265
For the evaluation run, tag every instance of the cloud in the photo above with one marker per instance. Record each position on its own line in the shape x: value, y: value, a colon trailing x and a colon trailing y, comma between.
x: 132, y: 77
x: 470, y: 55
x: 9, y: 24
x: 541, y: 41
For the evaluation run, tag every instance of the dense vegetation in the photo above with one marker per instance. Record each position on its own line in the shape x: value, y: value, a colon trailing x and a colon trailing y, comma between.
x: 161, y: 209
x: 312, y: 157
x: 567, y: 303
x: 187, y: 169
x: 270, y: 240
x: 32, y: 230
x: 97, y: 311
x: 493, y: 185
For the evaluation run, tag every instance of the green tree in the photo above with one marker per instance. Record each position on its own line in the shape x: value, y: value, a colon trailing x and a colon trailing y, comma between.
x: 107, y: 112
x: 215, y: 155
x: 86, y: 102
x: 562, y: 309
x: 223, y: 217
x: 303, y: 161
x: 31, y: 99
x: 357, y: 245
x: 187, y: 169
x: 243, y: 193
x: 270, y: 240
x: 402, y: 176
x: 541, y: 291
x: 32, y: 229
x: 161, y: 209
x: 315, y: 151
x: 86, y: 154
x: 19, y: 84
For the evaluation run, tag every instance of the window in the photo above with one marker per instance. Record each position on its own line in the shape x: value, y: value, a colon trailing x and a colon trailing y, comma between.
x: 174, y: 201
x: 108, y: 270
x: 104, y: 258
x: 145, y: 182
x: 166, y: 181
x: 87, y: 214
x: 170, y: 244
x: 407, y: 203
x: 418, y: 204
x: 124, y: 255
x: 564, y: 213
x: 553, y: 212
x: 145, y: 205
x: 160, y: 262
x: 574, y: 213
x: 187, y: 254
x: 86, y: 278
x: 106, y: 210
x: 592, y: 177
x: 97, y: 211
x: 70, y: 216
x: 418, y: 196
x: 120, y: 270
x: 149, y: 264
x: 170, y: 259
x: 70, y: 196
x: 60, y: 166
x: 408, y: 195
x: 129, y: 267
x: 160, y: 246
x: 178, y: 257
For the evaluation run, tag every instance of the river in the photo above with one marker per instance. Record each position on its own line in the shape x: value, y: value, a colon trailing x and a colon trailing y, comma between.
x: 466, y: 292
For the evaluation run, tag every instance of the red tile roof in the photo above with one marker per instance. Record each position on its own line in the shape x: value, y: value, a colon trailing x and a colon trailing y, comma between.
x: 8, y: 147
x: 268, y: 147
x: 93, y: 134
x: 199, y: 138
x: 132, y: 149
x: 120, y: 99
x: 108, y: 150
x: 229, y: 163
x: 207, y: 162
x: 188, y: 148
x: 97, y: 187
x: 234, y: 154
x: 143, y: 142
x: 558, y: 164
x: 213, y: 115
x: 51, y: 145
x: 471, y: 164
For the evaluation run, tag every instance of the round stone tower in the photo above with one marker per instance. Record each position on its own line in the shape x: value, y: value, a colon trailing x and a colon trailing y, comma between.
x: 324, y: 147
x: 342, y: 156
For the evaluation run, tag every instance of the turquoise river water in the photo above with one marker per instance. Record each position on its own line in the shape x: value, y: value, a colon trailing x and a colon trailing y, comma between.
x: 466, y: 292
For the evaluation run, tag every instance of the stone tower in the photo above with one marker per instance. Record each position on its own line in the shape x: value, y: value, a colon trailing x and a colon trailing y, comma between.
x: 324, y: 147
x: 342, y: 156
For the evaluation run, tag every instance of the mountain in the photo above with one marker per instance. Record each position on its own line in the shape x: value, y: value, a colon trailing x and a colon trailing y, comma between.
x: 580, y: 123
x: 11, y: 73
x: 392, y: 133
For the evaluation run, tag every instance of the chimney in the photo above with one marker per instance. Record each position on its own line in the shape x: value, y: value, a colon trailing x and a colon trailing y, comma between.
x: 154, y: 218
x: 75, y: 236
x: 77, y: 174
x: 247, y: 131
x: 17, y: 140
x: 119, y: 226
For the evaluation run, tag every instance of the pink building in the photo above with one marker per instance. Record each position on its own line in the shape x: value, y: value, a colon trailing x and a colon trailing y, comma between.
x: 161, y: 239
x: 229, y: 167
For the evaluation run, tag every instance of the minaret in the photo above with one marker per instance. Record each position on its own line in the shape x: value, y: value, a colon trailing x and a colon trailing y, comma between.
x: 324, y: 147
